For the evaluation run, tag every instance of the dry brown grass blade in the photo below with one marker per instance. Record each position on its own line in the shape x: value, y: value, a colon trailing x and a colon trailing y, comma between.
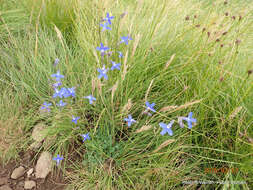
x: 166, y: 143
x: 170, y: 61
x: 136, y: 42
x: 146, y: 95
x: 144, y: 128
x: 128, y: 106
x: 125, y: 66
x: 114, y: 88
x: 182, y: 106
x: 168, y: 108
x: 235, y: 112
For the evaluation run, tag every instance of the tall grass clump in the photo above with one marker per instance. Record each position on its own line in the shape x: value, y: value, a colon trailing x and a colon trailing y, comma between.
x: 184, y: 56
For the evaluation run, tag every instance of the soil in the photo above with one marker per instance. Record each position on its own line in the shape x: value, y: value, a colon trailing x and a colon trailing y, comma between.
x: 51, y: 182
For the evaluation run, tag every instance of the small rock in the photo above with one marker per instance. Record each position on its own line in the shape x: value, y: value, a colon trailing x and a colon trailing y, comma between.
x: 20, y: 184
x: 44, y: 165
x: 37, y: 133
x: 3, y: 180
x: 5, y: 187
x: 29, y: 184
x: 18, y: 172
x: 29, y: 172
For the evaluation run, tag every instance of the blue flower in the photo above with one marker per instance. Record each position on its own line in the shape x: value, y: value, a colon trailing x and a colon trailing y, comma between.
x: 190, y: 120
x: 90, y: 98
x: 56, y: 61
x: 85, y: 137
x: 129, y: 120
x: 58, y: 159
x: 64, y: 92
x: 55, y: 85
x: 115, y: 65
x: 166, y: 128
x: 74, y: 119
x: 57, y: 76
x: 57, y: 93
x: 150, y: 106
x: 125, y: 39
x: 46, y: 106
x: 108, y: 18
x: 71, y: 91
x: 120, y: 54
x: 102, y: 48
x: 102, y: 73
x: 61, y: 103
x: 105, y: 26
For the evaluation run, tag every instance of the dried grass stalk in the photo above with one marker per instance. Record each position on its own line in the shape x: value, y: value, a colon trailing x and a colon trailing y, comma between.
x: 143, y: 128
x: 166, y: 143
x: 170, y: 61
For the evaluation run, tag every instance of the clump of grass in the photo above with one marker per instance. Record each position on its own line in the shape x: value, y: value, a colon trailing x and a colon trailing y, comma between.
x: 184, y: 56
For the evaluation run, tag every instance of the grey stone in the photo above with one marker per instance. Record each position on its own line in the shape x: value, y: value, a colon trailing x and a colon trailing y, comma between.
x: 29, y: 184
x: 37, y: 133
x: 3, y: 180
x: 44, y: 165
x: 18, y: 172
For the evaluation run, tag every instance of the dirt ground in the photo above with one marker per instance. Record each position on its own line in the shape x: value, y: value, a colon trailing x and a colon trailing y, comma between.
x: 51, y: 182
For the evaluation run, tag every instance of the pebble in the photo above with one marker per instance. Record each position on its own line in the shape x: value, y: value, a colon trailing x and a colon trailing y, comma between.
x: 37, y: 133
x: 29, y: 184
x: 3, y: 180
x: 44, y: 165
x: 5, y: 187
x: 18, y: 172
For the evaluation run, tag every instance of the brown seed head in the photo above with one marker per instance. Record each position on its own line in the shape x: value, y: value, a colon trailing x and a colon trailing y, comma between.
x: 225, y: 2
x: 233, y: 17
x: 203, y: 29
x: 226, y: 13
x: 208, y: 34
x: 217, y: 40
x: 224, y: 33
x: 187, y: 18
x: 198, y: 25
x: 250, y: 71
x: 221, y: 45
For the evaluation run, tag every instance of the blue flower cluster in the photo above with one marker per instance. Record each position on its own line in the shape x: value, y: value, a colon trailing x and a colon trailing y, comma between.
x: 70, y: 92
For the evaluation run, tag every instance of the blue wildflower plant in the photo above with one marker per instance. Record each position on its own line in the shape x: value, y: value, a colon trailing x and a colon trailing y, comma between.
x: 57, y: 76
x: 65, y: 92
x: 105, y: 26
x: 125, y: 39
x: 102, y: 73
x: 45, y: 107
x: 58, y: 159
x: 85, y: 137
x: 102, y: 49
x: 115, y: 65
x: 166, y: 128
x: 90, y: 98
x: 120, y: 54
x: 108, y: 18
x: 74, y: 119
x: 61, y: 103
x: 190, y: 120
x: 130, y: 120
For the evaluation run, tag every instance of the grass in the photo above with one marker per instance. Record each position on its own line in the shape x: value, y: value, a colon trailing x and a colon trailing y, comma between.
x: 171, y: 61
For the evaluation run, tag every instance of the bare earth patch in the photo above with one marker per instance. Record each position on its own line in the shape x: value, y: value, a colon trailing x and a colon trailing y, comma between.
x: 28, y: 179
